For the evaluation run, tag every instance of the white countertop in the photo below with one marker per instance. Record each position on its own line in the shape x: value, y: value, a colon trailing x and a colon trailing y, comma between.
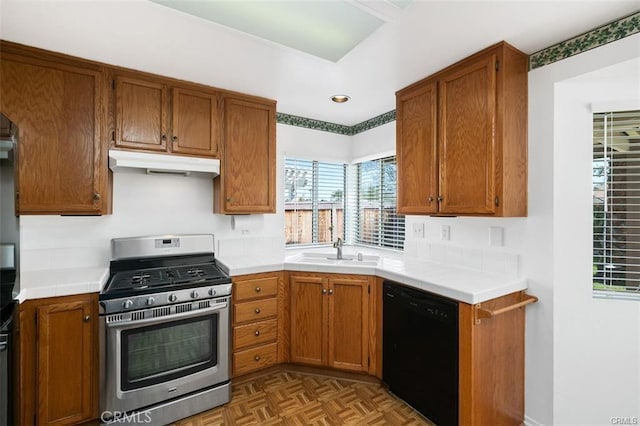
x: 61, y: 282
x: 462, y: 284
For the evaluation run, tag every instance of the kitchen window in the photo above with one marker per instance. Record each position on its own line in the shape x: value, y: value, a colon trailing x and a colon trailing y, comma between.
x: 616, y: 204
x: 313, y: 201
x: 326, y: 201
x: 372, y: 204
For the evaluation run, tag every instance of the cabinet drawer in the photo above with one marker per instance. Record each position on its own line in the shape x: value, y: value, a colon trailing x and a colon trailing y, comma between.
x: 255, y: 334
x: 254, y: 359
x: 255, y: 311
x: 252, y: 289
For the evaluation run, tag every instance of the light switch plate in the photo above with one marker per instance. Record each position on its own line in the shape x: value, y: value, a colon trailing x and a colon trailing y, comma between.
x: 496, y: 236
x: 418, y: 230
x: 445, y: 232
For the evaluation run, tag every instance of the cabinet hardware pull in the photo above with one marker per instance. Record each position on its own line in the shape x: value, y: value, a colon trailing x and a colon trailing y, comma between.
x: 330, y: 291
x: 257, y: 358
x: 257, y: 332
x: 440, y: 199
x: 480, y: 312
x: 258, y: 310
x: 497, y: 201
x: 430, y: 199
x: 324, y: 291
x: 258, y: 289
x: 164, y: 138
x: 96, y: 196
x: 86, y: 318
x: 175, y: 139
x: 228, y: 199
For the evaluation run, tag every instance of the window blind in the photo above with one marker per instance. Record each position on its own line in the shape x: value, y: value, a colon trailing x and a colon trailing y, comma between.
x: 616, y: 204
x: 314, y: 201
x: 372, y: 203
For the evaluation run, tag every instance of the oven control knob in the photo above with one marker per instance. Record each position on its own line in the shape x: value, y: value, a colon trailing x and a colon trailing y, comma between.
x: 212, y: 292
x: 151, y: 301
x: 128, y: 304
x: 173, y: 298
x: 194, y: 294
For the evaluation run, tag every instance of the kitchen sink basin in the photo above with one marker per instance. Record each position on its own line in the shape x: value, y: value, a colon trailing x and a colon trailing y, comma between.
x: 330, y: 259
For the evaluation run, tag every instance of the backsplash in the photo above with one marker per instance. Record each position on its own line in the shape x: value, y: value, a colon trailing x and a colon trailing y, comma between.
x: 469, y: 243
x: 142, y: 205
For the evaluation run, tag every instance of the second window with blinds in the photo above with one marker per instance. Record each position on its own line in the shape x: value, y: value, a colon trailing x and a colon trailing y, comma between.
x: 326, y: 201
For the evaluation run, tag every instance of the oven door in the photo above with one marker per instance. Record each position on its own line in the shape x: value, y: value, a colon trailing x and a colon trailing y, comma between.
x: 157, y: 359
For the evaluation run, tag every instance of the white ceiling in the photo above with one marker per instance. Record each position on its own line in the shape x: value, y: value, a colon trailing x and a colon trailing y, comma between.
x: 326, y: 29
x: 419, y: 40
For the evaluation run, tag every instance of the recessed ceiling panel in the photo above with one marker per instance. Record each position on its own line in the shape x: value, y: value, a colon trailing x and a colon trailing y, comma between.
x: 327, y: 29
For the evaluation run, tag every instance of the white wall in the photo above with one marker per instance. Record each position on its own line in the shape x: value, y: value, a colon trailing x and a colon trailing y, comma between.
x: 596, y: 342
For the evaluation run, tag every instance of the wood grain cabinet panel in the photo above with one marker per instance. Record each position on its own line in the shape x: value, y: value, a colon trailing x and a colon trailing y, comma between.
x: 196, y: 124
x: 259, y: 318
x: 330, y: 320
x: 247, y: 179
x: 153, y: 115
x: 462, y: 138
x: 57, y: 106
x: 417, y: 150
x: 58, y: 360
x: 141, y: 114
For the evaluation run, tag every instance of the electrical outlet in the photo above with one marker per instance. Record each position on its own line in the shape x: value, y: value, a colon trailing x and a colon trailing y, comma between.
x: 445, y: 232
x: 418, y: 230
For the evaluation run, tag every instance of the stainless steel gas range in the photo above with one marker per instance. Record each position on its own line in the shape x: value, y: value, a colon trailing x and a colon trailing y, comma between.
x: 164, y: 330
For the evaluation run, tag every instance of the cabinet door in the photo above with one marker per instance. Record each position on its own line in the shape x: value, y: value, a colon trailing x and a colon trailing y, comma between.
x: 195, y: 125
x: 308, y: 316
x: 58, y: 110
x: 248, y: 175
x: 66, y: 362
x: 348, y: 324
x: 416, y: 149
x: 467, y: 145
x: 141, y: 116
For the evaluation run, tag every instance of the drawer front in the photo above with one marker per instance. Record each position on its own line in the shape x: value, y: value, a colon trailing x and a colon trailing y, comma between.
x: 254, y: 359
x: 255, y: 311
x: 253, y: 334
x: 253, y: 289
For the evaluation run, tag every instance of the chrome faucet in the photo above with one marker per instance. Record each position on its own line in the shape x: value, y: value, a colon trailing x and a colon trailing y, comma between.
x: 338, y: 245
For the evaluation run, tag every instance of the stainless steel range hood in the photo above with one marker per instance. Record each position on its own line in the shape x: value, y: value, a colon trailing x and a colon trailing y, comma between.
x: 162, y: 163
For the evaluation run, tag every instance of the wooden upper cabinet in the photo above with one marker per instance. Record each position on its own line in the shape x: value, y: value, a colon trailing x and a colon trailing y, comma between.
x: 58, y: 108
x: 141, y: 114
x: 417, y: 150
x: 153, y: 115
x: 196, y: 123
x: 467, y: 148
x: 479, y: 159
x: 247, y: 178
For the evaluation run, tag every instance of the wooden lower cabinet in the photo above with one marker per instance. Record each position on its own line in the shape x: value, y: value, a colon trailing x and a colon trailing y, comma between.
x: 491, y: 354
x: 58, y: 360
x: 330, y: 317
x: 259, y: 318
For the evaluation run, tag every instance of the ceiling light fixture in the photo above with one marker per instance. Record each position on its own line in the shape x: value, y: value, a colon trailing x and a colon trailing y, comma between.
x: 340, y: 99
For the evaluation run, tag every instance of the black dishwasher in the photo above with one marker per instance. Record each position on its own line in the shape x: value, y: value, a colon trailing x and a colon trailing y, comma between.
x: 420, y: 351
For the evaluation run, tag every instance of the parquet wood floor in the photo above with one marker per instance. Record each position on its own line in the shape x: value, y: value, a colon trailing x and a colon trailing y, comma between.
x: 284, y: 396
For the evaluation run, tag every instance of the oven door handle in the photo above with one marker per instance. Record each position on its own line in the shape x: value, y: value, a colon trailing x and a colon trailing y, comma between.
x: 151, y: 321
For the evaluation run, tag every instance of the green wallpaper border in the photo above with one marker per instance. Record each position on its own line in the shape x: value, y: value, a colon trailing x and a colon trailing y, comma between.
x: 600, y: 36
x: 604, y: 34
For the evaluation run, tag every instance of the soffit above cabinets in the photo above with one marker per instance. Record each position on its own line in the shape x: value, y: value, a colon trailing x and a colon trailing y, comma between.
x: 326, y: 29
